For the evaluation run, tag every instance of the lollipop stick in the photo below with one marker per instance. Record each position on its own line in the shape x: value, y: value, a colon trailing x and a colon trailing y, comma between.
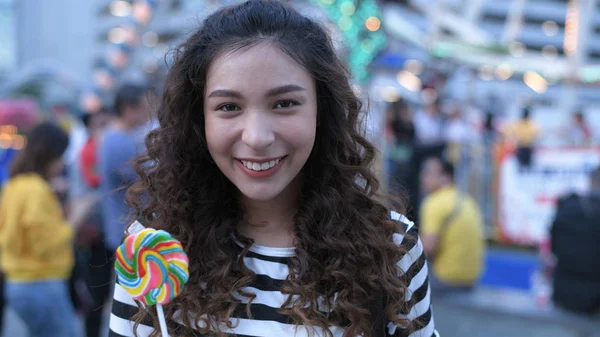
x: 161, y: 320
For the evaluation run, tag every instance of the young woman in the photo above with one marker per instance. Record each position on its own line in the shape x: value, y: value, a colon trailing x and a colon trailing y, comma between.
x: 35, y: 239
x: 259, y: 168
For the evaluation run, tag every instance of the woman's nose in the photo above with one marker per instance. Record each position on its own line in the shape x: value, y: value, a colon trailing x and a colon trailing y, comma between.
x: 258, y: 133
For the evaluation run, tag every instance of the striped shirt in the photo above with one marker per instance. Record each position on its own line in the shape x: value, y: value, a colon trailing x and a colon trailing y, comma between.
x: 271, y: 269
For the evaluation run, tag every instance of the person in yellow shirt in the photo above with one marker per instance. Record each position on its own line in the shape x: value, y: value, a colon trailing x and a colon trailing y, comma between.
x: 36, y: 247
x: 451, y: 230
x: 523, y: 135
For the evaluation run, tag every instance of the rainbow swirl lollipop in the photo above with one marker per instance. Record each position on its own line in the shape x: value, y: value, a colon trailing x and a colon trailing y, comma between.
x: 152, y: 266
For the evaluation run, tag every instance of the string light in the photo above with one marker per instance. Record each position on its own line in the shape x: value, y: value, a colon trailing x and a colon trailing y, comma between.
x: 550, y: 52
x: 504, y: 72
x: 8, y: 129
x: 360, y: 24
x: 571, y: 28
x: 409, y: 80
x: 117, y: 35
x: 550, y: 28
x: 118, y: 58
x: 150, y: 39
x: 536, y: 82
x: 373, y: 24
x: 125, y: 39
x: 91, y: 103
x: 104, y: 79
x: 348, y: 8
x: 120, y: 8
x: 5, y: 141
x: 345, y: 23
x: 142, y: 12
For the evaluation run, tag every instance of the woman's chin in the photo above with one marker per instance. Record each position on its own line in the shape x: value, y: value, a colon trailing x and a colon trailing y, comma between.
x: 259, y: 195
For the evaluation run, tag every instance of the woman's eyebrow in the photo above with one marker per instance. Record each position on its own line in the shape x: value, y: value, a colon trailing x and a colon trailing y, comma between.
x: 284, y: 89
x: 273, y: 92
x: 225, y: 93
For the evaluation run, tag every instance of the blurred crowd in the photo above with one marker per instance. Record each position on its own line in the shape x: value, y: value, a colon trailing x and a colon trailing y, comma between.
x: 431, y: 149
x: 61, y: 222
x: 461, y: 133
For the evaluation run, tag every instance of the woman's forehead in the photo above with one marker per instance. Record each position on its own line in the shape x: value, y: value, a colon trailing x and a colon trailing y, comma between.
x: 257, y: 68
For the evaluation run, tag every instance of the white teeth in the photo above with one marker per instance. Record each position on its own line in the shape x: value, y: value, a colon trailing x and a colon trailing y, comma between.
x: 260, y: 166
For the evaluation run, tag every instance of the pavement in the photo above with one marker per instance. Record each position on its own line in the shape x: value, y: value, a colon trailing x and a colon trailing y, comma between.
x: 463, y: 322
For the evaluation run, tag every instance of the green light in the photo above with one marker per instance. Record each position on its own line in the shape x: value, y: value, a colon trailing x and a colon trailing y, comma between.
x: 366, y: 46
x: 345, y: 23
x: 440, y: 50
x: 348, y: 8
x: 362, y: 44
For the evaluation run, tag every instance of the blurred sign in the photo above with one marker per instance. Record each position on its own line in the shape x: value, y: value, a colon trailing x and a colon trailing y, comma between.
x: 22, y: 113
x: 527, y: 198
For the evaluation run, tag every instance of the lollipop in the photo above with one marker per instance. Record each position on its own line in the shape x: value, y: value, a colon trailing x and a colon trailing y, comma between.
x: 153, y: 268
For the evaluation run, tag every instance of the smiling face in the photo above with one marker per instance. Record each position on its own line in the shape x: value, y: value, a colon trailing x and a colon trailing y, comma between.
x: 260, y: 111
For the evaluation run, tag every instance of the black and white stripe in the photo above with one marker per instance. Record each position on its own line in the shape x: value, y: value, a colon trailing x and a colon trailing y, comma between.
x: 270, y: 266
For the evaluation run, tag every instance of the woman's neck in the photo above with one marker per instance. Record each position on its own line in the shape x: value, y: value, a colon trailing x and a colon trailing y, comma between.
x: 270, y: 223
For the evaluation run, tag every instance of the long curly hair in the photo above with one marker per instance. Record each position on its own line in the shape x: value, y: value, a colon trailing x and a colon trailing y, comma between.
x: 343, y: 238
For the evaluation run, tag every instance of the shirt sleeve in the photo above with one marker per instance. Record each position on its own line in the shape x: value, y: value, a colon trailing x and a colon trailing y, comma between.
x: 418, y: 296
x: 431, y: 218
x: 44, y: 224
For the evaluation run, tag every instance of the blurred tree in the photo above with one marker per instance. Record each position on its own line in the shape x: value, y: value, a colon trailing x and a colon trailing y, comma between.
x: 32, y: 89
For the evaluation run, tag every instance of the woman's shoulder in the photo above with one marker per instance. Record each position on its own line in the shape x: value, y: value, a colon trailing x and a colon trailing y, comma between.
x: 28, y: 184
x: 405, y: 228
x: 402, y: 220
x: 407, y: 237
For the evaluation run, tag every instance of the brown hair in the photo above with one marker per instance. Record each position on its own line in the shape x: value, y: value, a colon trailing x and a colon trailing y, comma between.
x: 46, y: 142
x: 343, y: 237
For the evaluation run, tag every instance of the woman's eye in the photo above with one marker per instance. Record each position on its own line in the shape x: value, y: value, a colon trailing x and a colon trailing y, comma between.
x: 228, y: 107
x: 285, y: 104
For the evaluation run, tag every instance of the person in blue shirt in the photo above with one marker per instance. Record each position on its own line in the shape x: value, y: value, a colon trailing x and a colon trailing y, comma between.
x: 120, y: 145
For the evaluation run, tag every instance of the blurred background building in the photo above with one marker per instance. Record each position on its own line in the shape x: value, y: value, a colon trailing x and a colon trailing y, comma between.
x: 7, y: 37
